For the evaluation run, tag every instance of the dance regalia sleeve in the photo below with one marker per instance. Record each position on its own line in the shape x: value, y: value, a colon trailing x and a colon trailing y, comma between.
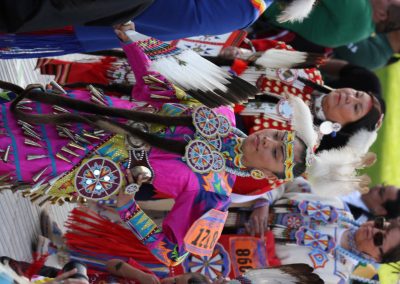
x: 169, y: 243
x: 148, y: 86
x: 200, y: 17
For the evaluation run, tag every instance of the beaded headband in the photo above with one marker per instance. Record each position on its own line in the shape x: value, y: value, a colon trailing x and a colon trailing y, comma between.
x: 289, y: 154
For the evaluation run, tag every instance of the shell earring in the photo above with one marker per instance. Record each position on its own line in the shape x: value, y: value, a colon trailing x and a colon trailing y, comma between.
x: 257, y: 174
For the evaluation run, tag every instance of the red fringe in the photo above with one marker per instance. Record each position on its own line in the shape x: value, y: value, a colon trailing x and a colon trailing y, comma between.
x: 90, y: 234
x: 37, y: 264
x: 239, y: 66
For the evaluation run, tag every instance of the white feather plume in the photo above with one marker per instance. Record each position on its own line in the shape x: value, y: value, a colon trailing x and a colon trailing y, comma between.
x: 302, y: 122
x: 334, y: 172
x: 296, y: 11
x: 191, y: 71
x: 281, y: 58
x: 362, y: 140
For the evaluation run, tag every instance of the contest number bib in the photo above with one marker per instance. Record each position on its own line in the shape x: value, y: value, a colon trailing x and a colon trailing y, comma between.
x: 205, y: 232
x: 247, y: 253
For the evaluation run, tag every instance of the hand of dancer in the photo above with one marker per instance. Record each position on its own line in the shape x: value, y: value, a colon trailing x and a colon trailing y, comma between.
x: 123, y: 197
x: 64, y: 278
x: 121, y: 29
x: 258, y: 222
x: 125, y: 270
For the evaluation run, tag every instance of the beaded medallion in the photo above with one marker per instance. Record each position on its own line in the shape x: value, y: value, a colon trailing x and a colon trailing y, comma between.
x: 98, y: 178
x: 206, y: 122
x: 199, y: 156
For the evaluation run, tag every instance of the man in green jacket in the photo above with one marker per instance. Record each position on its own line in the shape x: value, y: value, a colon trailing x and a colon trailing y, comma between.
x: 334, y: 23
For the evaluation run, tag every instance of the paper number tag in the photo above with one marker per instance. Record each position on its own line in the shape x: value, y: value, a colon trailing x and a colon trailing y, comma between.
x: 205, y: 232
x: 247, y: 253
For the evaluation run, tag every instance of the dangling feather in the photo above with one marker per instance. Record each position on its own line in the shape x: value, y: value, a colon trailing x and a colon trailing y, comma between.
x: 297, y: 10
x: 297, y: 273
x: 302, y: 122
x: 321, y: 88
x: 207, y: 82
x: 281, y: 58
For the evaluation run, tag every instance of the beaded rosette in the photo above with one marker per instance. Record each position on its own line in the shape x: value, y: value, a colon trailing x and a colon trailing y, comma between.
x: 98, y: 178
x: 202, y: 154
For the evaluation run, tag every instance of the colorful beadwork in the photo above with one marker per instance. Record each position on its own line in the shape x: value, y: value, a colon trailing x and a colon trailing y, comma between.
x: 319, y: 258
x: 218, y: 264
x: 315, y: 239
x: 218, y: 164
x: 199, y: 156
x: 155, y: 48
x: 98, y: 178
x: 289, y: 154
x: 207, y: 122
x: 224, y: 126
x: 318, y: 211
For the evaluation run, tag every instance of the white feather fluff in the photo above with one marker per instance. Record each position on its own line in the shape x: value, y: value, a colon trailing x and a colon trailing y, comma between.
x: 270, y: 276
x: 334, y: 172
x: 190, y: 71
x: 187, y: 69
x: 302, y: 122
x: 362, y: 140
x: 280, y: 58
x: 296, y: 11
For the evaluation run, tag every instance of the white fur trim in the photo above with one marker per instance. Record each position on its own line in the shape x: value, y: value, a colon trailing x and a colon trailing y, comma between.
x: 362, y: 140
x: 296, y: 11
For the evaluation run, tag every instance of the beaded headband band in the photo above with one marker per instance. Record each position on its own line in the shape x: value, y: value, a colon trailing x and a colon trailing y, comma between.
x: 289, y: 154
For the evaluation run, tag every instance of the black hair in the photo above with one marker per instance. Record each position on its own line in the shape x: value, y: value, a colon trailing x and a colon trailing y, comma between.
x: 125, y: 89
x: 392, y: 207
x: 393, y: 255
x: 300, y: 164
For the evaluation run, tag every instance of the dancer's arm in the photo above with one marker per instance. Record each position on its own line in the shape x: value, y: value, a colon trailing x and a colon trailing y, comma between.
x: 122, y: 269
x: 150, y: 85
x: 167, y: 243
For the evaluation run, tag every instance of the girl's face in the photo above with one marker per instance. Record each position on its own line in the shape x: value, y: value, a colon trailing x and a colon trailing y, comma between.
x: 265, y: 150
x: 346, y: 105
